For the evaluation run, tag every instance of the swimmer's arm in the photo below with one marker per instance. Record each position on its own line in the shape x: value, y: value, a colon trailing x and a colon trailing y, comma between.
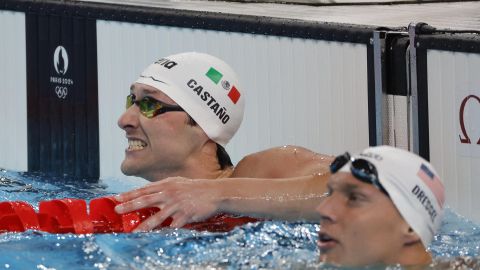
x: 279, y: 183
x: 293, y: 198
x: 192, y: 200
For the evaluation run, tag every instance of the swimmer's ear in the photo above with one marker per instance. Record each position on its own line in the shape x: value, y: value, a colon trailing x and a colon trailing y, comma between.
x: 410, y: 237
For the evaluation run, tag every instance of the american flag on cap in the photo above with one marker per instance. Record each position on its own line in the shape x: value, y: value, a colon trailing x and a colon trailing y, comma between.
x: 433, y: 183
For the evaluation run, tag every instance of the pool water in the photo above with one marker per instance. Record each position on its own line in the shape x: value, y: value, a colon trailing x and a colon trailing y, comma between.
x: 262, y: 245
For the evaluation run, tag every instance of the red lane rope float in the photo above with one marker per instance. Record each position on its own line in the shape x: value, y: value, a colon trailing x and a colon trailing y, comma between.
x: 64, y: 216
x: 17, y: 217
x: 71, y: 216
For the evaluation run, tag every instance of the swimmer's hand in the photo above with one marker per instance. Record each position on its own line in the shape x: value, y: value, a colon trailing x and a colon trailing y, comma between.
x: 184, y: 200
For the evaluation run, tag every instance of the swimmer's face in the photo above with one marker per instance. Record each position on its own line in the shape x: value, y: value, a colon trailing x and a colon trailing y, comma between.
x: 359, y: 224
x: 159, y: 146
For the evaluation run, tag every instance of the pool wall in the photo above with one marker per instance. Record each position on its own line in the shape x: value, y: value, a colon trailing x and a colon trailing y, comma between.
x: 329, y: 87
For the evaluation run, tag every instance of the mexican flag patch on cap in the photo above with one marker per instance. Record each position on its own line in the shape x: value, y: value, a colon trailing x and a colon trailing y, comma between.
x: 215, y: 76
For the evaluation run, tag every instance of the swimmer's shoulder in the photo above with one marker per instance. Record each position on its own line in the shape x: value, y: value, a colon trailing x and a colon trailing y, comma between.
x: 282, y: 162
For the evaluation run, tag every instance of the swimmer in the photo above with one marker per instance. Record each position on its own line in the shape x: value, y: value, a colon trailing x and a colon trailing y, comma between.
x: 180, y: 114
x: 383, y: 207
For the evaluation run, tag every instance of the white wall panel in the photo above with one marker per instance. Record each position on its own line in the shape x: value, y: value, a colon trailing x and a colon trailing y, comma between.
x: 13, y: 92
x: 304, y: 92
x: 396, y: 127
x: 452, y: 77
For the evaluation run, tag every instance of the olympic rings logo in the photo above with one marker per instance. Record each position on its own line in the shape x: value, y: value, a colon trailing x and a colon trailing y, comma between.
x: 61, y: 91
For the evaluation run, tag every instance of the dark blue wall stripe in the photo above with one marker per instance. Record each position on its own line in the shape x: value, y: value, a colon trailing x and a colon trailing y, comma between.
x: 62, y: 129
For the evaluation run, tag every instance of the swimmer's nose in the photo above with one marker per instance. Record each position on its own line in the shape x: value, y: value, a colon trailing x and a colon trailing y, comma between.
x: 129, y: 118
x: 328, y: 210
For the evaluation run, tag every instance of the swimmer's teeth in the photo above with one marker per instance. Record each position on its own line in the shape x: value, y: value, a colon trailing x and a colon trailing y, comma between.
x: 136, y: 145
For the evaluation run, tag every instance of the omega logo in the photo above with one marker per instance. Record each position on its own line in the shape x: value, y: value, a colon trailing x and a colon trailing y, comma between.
x: 466, y: 138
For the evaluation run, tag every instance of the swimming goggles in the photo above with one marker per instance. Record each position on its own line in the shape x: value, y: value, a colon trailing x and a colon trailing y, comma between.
x: 362, y: 169
x: 151, y: 107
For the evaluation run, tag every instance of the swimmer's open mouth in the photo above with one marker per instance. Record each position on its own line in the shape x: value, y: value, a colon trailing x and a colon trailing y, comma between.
x: 134, y: 145
x: 325, y: 241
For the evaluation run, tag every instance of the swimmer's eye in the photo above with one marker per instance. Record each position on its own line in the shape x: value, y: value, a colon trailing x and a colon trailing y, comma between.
x: 355, y: 197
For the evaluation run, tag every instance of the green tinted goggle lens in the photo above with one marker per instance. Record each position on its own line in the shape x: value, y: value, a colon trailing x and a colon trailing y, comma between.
x: 151, y: 107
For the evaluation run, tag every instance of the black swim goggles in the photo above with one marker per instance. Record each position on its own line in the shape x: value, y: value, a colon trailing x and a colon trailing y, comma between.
x: 361, y: 168
x: 151, y: 107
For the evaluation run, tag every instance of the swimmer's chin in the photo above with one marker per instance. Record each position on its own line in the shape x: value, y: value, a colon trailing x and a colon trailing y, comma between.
x: 136, y: 172
x: 128, y: 170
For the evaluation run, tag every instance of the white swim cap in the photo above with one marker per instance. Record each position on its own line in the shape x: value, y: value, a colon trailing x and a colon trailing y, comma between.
x: 413, y: 186
x: 205, y: 87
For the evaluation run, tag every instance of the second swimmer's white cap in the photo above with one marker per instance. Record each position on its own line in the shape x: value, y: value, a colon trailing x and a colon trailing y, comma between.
x: 413, y: 186
x: 205, y: 87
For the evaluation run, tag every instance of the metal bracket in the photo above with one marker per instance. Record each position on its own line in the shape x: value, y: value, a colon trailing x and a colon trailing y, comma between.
x: 413, y: 86
x: 379, y: 77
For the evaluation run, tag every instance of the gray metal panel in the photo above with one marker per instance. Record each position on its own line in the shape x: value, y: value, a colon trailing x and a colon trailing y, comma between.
x: 452, y: 76
x: 455, y: 15
x: 304, y: 92
x: 13, y: 92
